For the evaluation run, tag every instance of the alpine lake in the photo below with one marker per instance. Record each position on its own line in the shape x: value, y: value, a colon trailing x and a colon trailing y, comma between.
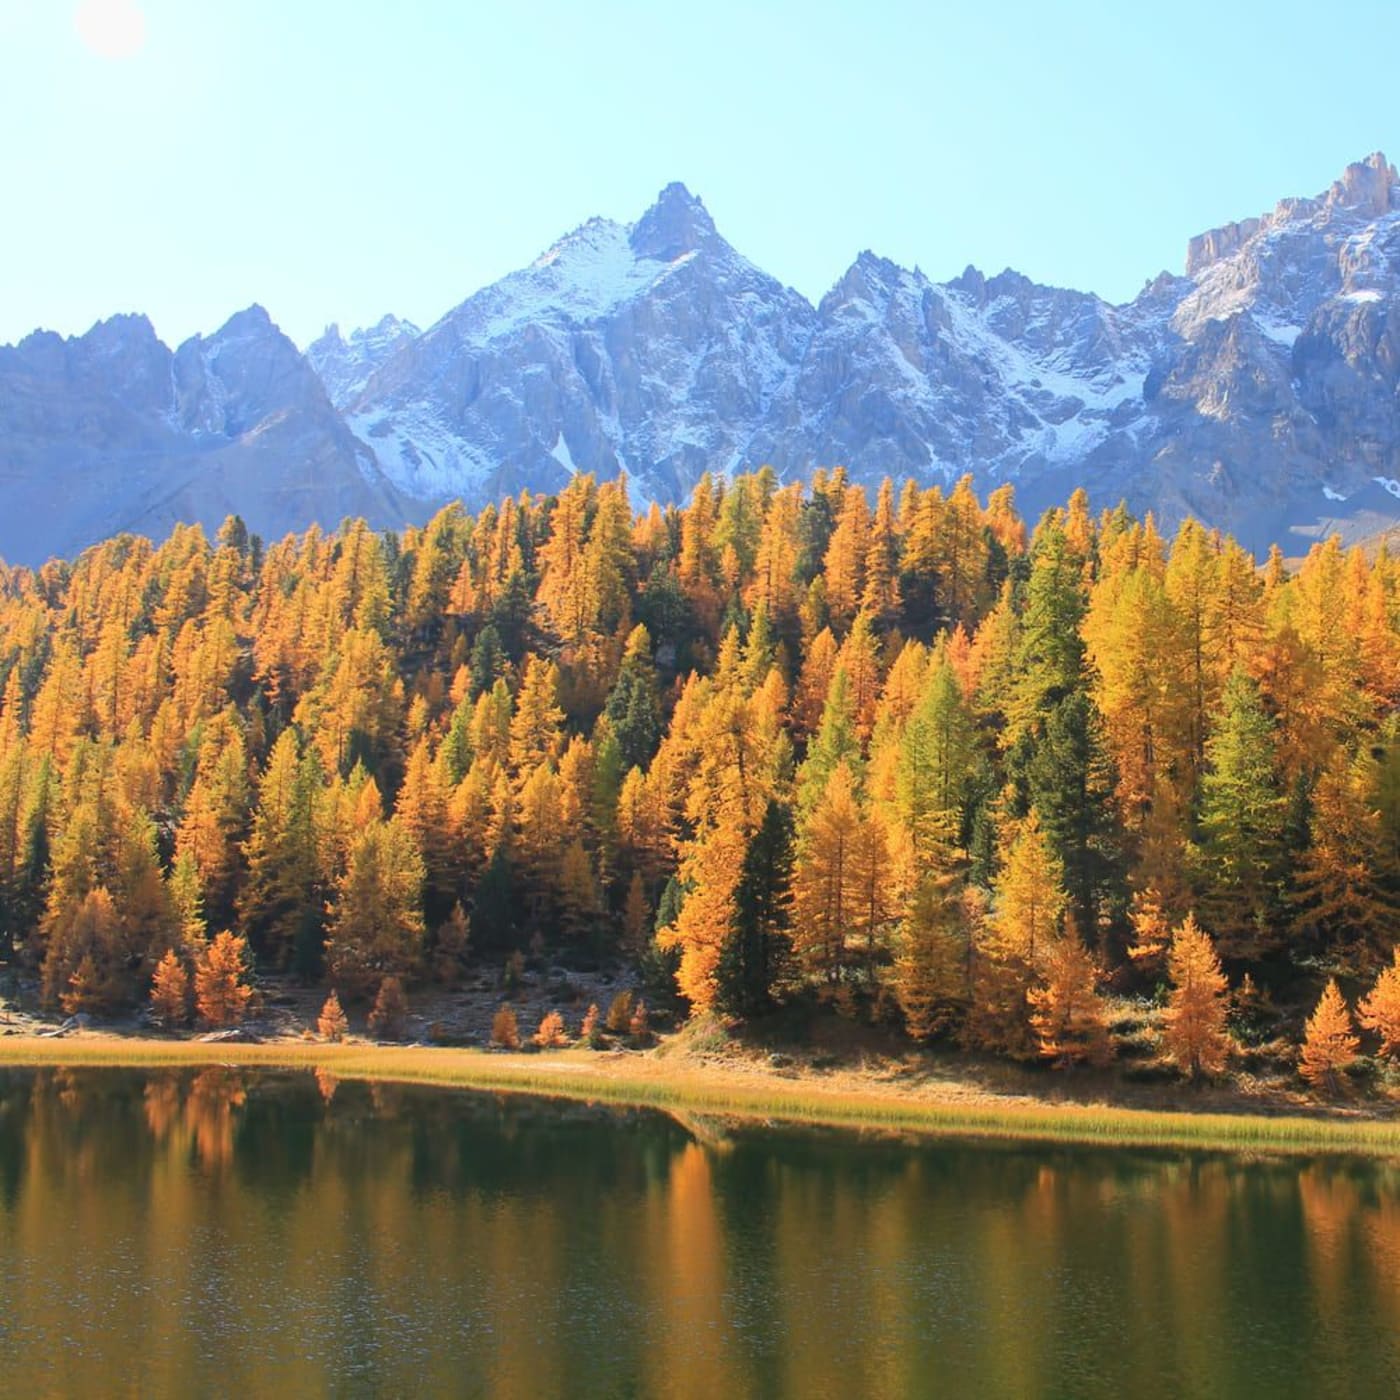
x: 229, y: 1232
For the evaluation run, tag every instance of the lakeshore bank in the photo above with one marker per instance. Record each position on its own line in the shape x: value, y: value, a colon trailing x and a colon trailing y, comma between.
x: 859, y: 1097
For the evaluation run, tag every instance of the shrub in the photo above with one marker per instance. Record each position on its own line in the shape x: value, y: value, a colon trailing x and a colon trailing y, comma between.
x: 620, y: 1013
x: 551, y: 1033
x: 331, y: 1023
x: 390, y: 1010
x: 591, y: 1031
x: 514, y: 974
x: 505, y: 1030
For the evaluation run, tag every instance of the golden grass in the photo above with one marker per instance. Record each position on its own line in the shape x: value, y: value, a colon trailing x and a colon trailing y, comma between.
x: 645, y: 1081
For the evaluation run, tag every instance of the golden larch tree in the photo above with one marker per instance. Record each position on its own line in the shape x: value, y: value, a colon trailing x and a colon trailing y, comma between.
x: 1330, y: 1045
x: 221, y: 991
x: 1194, y: 1022
x: 1379, y: 1009
x: 1068, y: 1015
x: 331, y: 1024
x: 170, y: 990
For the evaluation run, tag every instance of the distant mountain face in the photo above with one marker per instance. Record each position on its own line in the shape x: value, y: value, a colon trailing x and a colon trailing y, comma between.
x: 113, y: 431
x: 1258, y: 391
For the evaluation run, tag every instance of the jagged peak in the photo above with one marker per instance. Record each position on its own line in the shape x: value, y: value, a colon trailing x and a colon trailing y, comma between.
x: 676, y: 223
x: 1366, y: 187
x: 252, y: 320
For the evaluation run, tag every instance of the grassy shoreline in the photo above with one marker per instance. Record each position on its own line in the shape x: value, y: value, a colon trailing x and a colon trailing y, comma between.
x: 688, y: 1087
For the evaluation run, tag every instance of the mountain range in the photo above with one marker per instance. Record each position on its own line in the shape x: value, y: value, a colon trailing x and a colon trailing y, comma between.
x: 1256, y: 391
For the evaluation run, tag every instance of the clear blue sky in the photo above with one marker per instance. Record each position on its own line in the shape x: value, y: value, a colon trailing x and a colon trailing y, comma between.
x: 338, y: 160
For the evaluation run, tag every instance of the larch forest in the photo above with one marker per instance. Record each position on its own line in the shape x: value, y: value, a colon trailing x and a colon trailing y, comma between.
x: 904, y: 760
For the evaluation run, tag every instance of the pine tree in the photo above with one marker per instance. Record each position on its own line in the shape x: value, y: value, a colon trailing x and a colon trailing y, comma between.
x: 278, y: 898
x: 1194, y: 1022
x: 1241, y: 823
x: 1070, y: 782
x: 1029, y: 899
x: 836, y: 743
x: 1342, y: 894
x: 935, y: 762
x: 620, y: 1009
x: 505, y: 1029
x: 933, y: 973
x: 450, y: 947
x: 86, y: 963
x: 633, y: 708
x: 580, y: 906
x: 1330, y: 1046
x: 636, y: 916
x: 841, y: 861
x: 590, y: 1031
x: 753, y: 957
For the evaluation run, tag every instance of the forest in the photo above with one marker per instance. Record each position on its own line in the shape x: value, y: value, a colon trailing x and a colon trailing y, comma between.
x: 903, y: 757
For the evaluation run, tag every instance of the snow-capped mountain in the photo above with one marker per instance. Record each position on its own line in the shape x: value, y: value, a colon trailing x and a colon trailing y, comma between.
x: 1258, y: 391
x: 652, y: 348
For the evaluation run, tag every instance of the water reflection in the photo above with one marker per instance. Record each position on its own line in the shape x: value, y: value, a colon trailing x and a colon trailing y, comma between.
x: 221, y: 1232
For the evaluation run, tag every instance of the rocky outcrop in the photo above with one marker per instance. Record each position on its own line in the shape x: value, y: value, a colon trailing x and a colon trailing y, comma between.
x: 346, y: 365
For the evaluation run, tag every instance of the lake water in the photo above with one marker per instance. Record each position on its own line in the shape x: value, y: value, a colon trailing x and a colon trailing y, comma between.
x: 226, y: 1233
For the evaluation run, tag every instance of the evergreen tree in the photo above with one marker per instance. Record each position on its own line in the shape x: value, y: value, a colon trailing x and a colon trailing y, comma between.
x: 375, y: 920
x: 753, y: 958
x: 1241, y: 823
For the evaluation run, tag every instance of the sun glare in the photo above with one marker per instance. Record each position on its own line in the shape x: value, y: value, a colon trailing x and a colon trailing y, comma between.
x: 111, y: 28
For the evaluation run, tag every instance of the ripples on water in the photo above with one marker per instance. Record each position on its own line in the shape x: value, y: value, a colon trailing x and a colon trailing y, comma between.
x: 223, y: 1233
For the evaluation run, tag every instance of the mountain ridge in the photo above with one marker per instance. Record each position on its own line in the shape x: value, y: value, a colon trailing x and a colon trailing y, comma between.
x: 1258, y: 391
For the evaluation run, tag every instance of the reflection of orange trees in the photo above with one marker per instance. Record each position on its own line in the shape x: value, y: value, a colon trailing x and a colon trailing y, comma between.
x: 1330, y: 1205
x: 1380, y: 1229
x: 689, y: 1280
x: 326, y: 1082
x: 209, y: 1113
x: 162, y: 1102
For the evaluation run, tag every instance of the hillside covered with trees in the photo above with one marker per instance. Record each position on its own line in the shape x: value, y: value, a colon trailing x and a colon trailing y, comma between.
x: 902, y: 755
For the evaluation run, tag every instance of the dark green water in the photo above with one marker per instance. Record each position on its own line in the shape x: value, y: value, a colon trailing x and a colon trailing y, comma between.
x: 234, y: 1234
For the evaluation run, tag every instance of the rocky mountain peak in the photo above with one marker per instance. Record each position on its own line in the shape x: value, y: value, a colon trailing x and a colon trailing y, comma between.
x: 1367, y: 186
x: 1367, y: 189
x: 1257, y: 393
x: 678, y: 223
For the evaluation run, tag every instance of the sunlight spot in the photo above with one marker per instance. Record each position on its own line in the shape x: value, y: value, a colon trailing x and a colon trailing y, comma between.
x: 111, y: 28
